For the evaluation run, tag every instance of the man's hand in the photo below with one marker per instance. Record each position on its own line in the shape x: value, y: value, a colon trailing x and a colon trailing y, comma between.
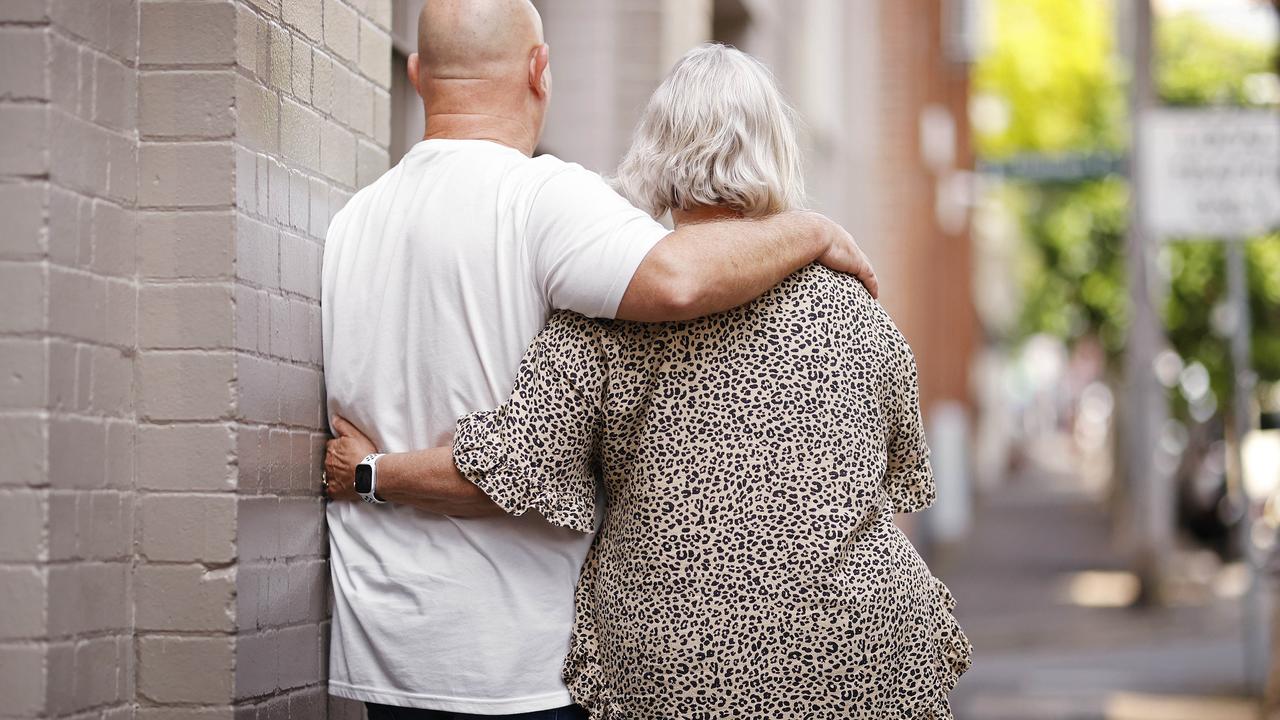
x: 341, y: 456
x: 844, y: 255
x: 424, y: 479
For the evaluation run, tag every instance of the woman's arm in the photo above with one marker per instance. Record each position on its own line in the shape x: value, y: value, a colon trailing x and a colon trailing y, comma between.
x: 908, y: 476
x: 425, y: 479
x: 535, y: 452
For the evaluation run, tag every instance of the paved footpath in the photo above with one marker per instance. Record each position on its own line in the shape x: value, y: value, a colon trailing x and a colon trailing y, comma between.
x: 1038, y: 656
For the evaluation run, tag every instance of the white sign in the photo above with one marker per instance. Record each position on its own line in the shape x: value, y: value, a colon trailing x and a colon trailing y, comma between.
x: 1210, y: 172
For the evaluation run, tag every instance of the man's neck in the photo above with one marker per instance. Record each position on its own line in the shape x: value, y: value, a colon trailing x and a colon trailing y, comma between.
x: 475, y: 126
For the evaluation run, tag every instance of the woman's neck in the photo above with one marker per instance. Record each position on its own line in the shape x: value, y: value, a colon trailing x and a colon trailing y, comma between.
x: 704, y: 213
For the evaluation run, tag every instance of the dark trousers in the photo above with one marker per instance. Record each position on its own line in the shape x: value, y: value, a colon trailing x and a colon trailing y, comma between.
x: 389, y: 712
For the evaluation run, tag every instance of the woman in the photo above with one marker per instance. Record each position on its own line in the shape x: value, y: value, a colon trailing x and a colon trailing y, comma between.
x: 747, y: 564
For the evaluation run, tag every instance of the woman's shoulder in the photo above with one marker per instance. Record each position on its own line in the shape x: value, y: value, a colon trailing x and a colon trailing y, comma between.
x: 841, y: 303
x: 824, y: 290
x: 818, y: 276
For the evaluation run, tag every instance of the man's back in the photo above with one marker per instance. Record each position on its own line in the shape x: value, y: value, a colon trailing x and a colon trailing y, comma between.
x: 436, y: 277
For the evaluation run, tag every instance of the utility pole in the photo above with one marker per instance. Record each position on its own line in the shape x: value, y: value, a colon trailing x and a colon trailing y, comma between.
x: 1264, y: 580
x: 1256, y: 620
x: 1151, y: 498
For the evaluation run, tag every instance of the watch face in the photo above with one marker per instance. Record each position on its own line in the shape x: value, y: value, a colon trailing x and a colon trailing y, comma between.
x: 364, y: 478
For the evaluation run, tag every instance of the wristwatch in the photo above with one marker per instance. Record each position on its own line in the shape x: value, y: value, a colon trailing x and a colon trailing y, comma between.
x: 367, y: 479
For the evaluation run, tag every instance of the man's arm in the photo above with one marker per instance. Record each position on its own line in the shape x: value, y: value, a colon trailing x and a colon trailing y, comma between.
x: 705, y: 268
x: 428, y: 480
x: 425, y: 479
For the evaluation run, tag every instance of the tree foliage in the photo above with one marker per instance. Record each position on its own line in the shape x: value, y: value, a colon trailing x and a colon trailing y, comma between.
x: 1198, y: 286
x: 1072, y: 269
x: 1054, y: 67
x: 1199, y: 65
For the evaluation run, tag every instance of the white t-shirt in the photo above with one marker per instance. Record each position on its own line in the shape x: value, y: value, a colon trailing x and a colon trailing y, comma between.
x: 436, y: 278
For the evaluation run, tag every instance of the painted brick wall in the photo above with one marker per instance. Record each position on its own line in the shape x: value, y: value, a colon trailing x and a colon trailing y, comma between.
x: 186, y: 542
x: 311, y: 86
x: 68, y: 193
x: 167, y: 172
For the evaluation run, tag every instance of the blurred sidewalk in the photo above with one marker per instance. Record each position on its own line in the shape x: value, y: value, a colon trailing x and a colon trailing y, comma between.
x: 1033, y: 584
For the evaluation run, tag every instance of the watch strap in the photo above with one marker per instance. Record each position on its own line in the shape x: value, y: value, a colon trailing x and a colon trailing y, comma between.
x: 372, y: 496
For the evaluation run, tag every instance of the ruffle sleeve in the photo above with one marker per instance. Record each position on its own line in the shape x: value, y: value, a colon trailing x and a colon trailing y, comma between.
x: 539, y: 450
x: 484, y: 454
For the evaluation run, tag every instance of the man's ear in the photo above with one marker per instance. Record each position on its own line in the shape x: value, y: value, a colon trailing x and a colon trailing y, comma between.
x: 413, y: 71
x: 539, y: 78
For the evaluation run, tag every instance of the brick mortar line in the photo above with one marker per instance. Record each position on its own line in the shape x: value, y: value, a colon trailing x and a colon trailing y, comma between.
x: 245, y: 423
x: 59, y: 414
x: 183, y: 139
x: 220, y: 142
x: 158, y: 67
x: 184, y: 422
x: 277, y: 292
x: 122, y: 133
x: 95, y: 711
x: 227, y: 282
x: 83, y: 43
x: 278, y: 359
x: 104, y: 634
x: 183, y: 209
x: 142, y: 561
x: 295, y: 560
x: 122, y: 205
x: 256, y: 426
x: 45, y: 334
x: 37, y: 178
x: 60, y: 184
x: 80, y: 270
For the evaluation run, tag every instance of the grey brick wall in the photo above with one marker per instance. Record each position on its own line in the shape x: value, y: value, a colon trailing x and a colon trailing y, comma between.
x: 68, y: 197
x: 311, y: 90
x: 167, y: 172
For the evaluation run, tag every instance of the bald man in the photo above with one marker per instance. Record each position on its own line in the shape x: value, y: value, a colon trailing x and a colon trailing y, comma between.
x: 436, y: 278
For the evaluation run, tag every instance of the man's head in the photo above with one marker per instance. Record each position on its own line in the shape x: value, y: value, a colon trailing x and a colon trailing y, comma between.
x: 482, y: 59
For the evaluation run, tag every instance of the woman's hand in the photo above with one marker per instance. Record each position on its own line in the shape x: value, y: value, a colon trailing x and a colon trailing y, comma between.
x: 341, y: 456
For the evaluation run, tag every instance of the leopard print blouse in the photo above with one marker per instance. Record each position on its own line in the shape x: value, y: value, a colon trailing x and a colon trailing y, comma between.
x: 747, y: 564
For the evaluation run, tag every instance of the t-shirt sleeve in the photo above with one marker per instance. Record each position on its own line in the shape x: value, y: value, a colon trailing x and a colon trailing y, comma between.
x: 909, y: 477
x: 539, y: 450
x: 585, y: 242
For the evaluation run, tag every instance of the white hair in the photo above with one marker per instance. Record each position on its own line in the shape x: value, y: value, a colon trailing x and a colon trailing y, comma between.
x: 717, y: 131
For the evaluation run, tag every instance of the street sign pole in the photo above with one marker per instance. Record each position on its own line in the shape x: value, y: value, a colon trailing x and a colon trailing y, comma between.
x: 1150, y: 498
x: 1257, y: 615
x: 1203, y: 173
x: 1208, y: 172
